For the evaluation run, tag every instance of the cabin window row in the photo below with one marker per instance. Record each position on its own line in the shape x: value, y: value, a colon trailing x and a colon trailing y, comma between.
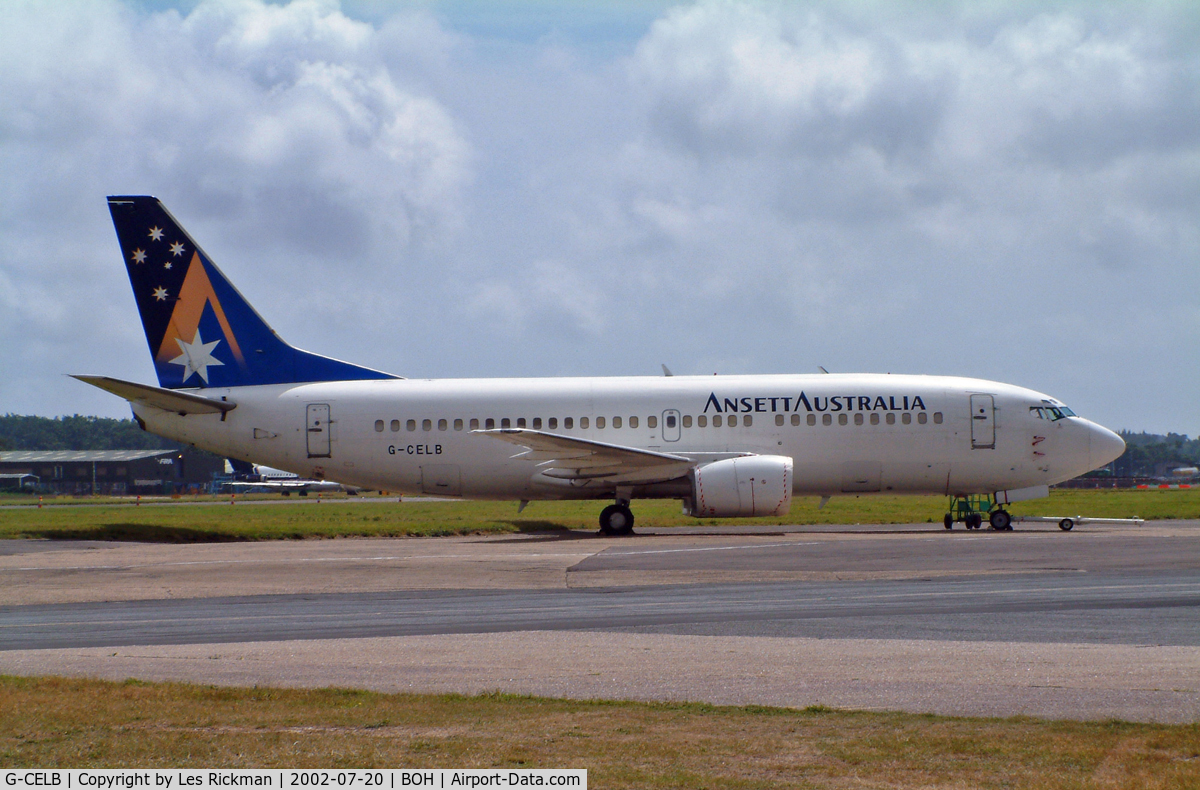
x: 906, y: 418
x: 490, y: 423
x: 702, y: 421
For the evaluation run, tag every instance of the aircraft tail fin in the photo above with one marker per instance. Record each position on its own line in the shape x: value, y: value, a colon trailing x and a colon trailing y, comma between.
x: 202, y: 332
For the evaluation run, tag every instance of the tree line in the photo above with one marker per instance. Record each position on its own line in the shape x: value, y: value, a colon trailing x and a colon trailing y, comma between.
x: 77, y: 432
x: 1150, y: 454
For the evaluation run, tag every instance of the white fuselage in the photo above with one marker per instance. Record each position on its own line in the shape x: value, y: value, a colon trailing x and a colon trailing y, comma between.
x: 859, y: 433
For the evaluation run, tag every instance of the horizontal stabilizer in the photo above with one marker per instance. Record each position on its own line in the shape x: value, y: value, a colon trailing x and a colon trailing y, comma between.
x: 159, y: 398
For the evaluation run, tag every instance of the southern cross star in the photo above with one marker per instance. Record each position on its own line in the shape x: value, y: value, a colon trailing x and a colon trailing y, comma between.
x: 196, y: 357
x: 156, y: 233
x: 160, y: 293
x: 177, y: 249
x: 167, y: 265
x: 139, y: 256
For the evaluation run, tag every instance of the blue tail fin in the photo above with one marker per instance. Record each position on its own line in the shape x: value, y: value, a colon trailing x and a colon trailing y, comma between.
x: 201, y: 331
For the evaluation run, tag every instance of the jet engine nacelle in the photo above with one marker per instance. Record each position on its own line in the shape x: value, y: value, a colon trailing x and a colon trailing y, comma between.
x: 757, y: 485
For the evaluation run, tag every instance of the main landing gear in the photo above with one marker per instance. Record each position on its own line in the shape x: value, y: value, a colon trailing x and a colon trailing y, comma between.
x: 616, y: 519
x: 970, y: 510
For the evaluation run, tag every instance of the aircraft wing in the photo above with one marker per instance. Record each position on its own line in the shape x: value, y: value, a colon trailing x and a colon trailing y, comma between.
x: 569, y: 458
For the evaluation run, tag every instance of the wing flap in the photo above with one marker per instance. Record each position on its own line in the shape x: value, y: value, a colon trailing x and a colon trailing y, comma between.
x: 568, y: 458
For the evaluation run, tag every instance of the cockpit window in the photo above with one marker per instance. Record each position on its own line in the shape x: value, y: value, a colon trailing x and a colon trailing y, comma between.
x: 1050, y: 412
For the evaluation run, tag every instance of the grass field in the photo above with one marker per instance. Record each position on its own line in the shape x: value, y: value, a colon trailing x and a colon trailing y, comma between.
x: 214, y: 519
x: 49, y: 722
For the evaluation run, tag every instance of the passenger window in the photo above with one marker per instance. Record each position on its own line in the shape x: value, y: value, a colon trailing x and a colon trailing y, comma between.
x: 426, y: 425
x: 702, y: 421
x: 553, y: 423
x: 443, y: 425
x: 616, y: 422
x: 633, y: 422
x: 716, y: 421
x: 670, y: 420
x: 906, y: 418
x: 651, y: 422
x: 937, y: 417
x: 568, y: 422
x: 842, y: 419
x: 874, y: 419
x: 858, y: 418
x: 520, y: 422
x: 827, y: 419
x: 891, y: 418
x: 583, y: 422
x: 395, y: 426
x: 747, y: 420
x: 687, y: 421
x: 812, y: 419
x: 474, y: 423
x: 779, y: 419
x: 505, y: 422
x: 458, y: 424
x: 922, y: 418
x: 537, y: 423
x: 411, y: 425
x: 490, y: 424
x: 379, y: 426
x: 599, y: 422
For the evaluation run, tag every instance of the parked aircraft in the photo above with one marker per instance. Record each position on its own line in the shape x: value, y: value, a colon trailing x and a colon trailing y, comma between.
x: 247, y: 477
x: 725, y: 446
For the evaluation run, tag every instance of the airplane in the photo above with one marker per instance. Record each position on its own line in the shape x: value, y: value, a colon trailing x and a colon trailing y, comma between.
x: 256, y: 478
x: 725, y: 446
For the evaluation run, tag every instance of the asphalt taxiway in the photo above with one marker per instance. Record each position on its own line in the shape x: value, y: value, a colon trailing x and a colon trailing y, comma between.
x: 1096, y: 623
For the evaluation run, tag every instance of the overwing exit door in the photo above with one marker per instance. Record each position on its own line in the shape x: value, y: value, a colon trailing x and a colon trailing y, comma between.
x: 670, y: 425
x: 983, y: 422
x: 318, y: 430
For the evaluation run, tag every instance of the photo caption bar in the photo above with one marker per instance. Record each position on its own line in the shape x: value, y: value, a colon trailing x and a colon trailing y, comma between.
x: 288, y: 779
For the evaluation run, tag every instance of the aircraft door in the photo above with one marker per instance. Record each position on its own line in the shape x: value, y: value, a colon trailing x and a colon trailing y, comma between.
x: 318, y: 430
x: 670, y: 425
x: 983, y: 422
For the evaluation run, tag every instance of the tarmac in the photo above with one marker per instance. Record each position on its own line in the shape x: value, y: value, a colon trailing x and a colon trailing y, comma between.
x: 1098, y: 623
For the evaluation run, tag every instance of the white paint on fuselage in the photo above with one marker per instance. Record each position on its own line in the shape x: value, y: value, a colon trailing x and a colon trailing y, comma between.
x: 829, y: 459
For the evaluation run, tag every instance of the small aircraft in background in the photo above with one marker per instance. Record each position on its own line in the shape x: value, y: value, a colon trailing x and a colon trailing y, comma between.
x: 250, y: 478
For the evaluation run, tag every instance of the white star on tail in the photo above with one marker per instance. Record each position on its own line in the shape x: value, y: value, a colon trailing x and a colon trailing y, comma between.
x: 160, y: 294
x: 156, y: 233
x: 139, y: 256
x: 196, y: 357
x: 177, y: 249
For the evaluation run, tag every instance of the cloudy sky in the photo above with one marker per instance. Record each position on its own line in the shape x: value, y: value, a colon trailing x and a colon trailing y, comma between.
x: 1002, y: 190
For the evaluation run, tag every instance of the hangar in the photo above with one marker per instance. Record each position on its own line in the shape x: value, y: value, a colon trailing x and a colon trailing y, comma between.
x: 114, y: 472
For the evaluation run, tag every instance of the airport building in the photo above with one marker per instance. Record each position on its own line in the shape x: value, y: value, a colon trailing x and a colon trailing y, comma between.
x: 113, y: 472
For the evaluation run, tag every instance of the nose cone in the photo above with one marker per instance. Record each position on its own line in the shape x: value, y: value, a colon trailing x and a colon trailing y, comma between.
x: 1104, y: 446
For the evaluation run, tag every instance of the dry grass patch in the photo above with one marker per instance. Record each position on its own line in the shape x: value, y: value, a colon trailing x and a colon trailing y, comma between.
x: 81, y: 723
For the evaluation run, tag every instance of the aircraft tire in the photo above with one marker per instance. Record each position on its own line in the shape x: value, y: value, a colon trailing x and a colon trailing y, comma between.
x: 616, y: 520
x: 1066, y: 525
x: 974, y: 521
x: 948, y: 520
x: 1001, y: 520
